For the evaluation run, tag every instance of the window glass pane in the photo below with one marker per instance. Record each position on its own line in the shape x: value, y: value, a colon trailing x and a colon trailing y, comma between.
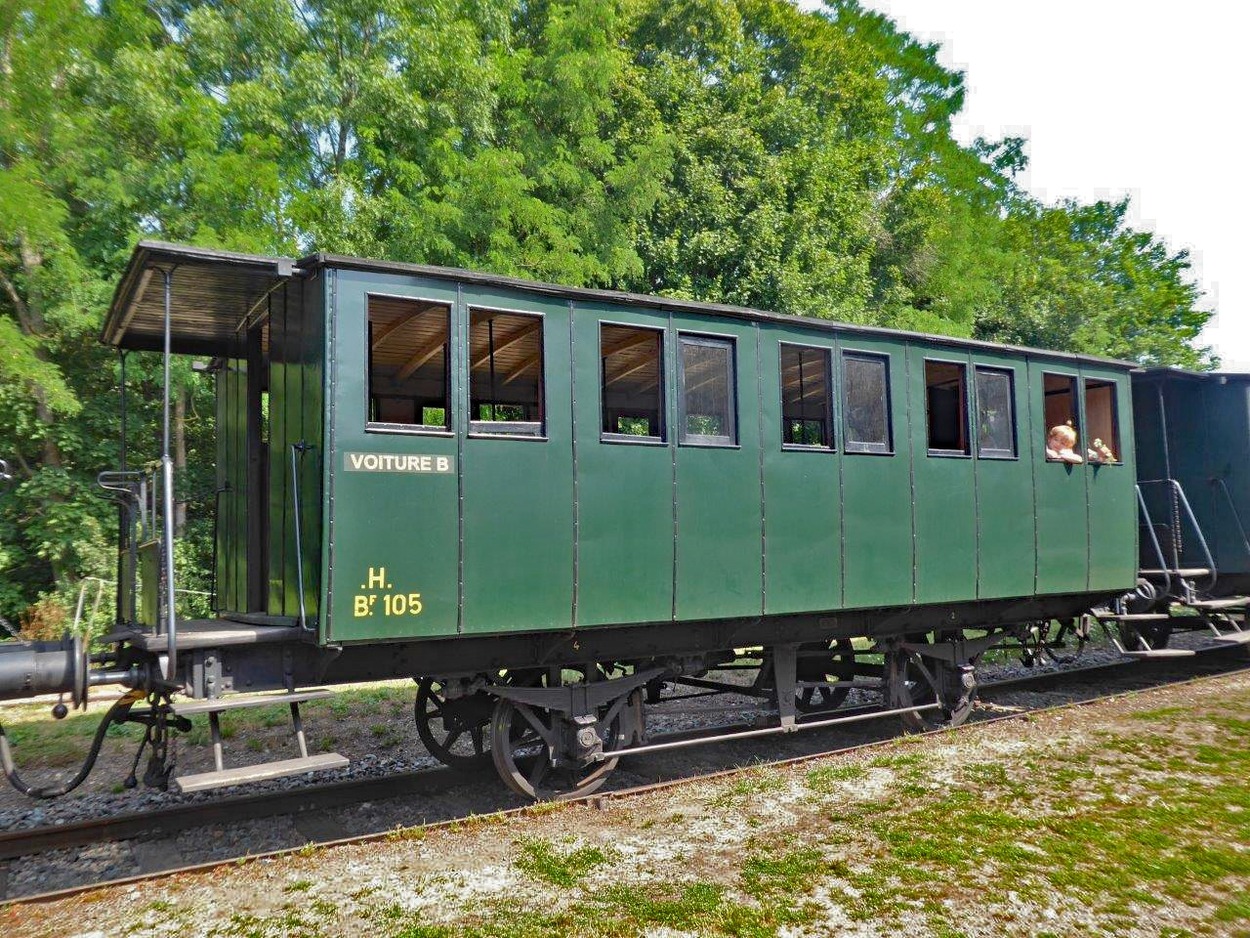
x: 867, y: 403
x: 806, y: 405
x: 1102, y: 427
x: 707, y: 400
x: 996, y: 427
x: 1063, y: 432
x: 505, y: 372
x: 946, y: 405
x: 632, y: 395
x: 408, y: 362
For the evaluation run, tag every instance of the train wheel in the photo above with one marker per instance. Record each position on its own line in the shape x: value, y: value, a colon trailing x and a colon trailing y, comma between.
x: 456, y: 732
x: 912, y: 680
x: 831, y: 664
x: 523, y: 738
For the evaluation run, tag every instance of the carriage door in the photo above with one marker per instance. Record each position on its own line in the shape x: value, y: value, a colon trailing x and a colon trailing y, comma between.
x: 1062, y: 511
x: 943, y: 469
x: 240, y: 503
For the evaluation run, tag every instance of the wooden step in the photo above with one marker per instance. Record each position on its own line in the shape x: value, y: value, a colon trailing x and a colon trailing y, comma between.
x: 1160, y: 653
x: 222, y: 704
x: 323, y: 762
x: 1236, y: 602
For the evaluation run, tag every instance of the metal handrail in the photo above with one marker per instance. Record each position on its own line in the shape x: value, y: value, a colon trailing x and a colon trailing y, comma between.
x: 1178, y: 494
x: 298, y: 449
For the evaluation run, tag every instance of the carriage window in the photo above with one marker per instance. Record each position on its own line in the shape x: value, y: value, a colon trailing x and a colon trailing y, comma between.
x: 707, y: 399
x: 632, y: 392
x: 1102, y: 427
x: 866, y: 403
x: 946, y: 407
x: 505, y: 372
x: 408, y: 345
x: 996, y: 423
x: 806, y: 405
x: 1062, y: 425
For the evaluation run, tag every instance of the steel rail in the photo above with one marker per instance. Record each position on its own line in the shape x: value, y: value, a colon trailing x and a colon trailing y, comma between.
x: 433, y: 781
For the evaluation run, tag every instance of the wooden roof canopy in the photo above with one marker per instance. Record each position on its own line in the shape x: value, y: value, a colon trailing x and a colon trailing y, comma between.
x: 214, y: 295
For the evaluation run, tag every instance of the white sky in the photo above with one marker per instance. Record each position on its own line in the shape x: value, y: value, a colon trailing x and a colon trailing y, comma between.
x: 1118, y: 97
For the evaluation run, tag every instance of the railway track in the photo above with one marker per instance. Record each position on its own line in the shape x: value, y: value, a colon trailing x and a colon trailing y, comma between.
x: 153, y: 834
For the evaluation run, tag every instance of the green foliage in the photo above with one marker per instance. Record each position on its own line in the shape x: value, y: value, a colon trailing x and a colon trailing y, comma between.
x: 740, y: 151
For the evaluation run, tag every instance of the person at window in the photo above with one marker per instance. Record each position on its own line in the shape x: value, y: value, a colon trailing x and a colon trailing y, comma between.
x: 1060, y: 443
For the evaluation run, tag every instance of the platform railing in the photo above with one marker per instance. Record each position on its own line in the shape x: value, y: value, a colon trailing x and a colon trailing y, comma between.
x: 1179, y: 507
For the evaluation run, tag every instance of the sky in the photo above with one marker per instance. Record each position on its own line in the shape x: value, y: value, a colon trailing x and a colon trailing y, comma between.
x: 1117, y: 98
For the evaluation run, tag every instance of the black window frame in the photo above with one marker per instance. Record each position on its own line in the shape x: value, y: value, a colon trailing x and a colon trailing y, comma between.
x: 413, y: 429
x: 830, y: 444
x: 698, y: 439
x: 859, y: 448
x: 965, y: 408
x: 1115, y: 421
x: 661, y: 387
x: 984, y: 452
x: 533, y: 430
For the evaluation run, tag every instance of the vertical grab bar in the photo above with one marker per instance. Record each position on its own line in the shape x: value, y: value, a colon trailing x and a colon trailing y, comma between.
x: 298, y: 449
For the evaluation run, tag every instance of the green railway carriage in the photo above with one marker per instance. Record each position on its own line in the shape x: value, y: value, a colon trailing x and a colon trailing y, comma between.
x: 545, y: 503
x: 1193, y: 450
x: 480, y: 456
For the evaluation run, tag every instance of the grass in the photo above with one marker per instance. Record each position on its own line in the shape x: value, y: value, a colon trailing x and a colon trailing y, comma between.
x: 548, y: 863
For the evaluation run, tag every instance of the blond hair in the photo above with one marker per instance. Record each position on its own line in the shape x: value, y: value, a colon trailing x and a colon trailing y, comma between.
x: 1064, y: 435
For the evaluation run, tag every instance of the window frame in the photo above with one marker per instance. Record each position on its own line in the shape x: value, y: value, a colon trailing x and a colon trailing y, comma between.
x: 1115, y: 420
x: 411, y: 429
x: 709, y: 340
x: 661, y: 333
x: 505, y: 429
x: 1010, y: 373
x: 965, y: 406
x: 831, y: 446
x: 1078, y: 415
x: 854, y: 448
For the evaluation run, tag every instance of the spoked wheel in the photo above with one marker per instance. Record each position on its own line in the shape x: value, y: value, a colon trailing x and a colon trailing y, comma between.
x: 522, y: 740
x: 829, y: 664
x: 456, y: 732
x: 912, y: 680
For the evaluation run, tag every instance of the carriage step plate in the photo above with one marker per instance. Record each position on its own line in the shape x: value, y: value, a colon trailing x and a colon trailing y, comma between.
x: 1235, y: 603
x: 1160, y: 653
x: 322, y: 762
x: 222, y: 704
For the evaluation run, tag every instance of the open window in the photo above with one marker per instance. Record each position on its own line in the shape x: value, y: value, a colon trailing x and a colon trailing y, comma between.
x: 996, y: 417
x: 408, y: 358
x: 707, y: 400
x: 1063, y: 430
x: 866, y: 403
x: 806, y: 402
x: 1102, y: 425
x: 946, y: 408
x: 505, y: 373
x: 631, y: 383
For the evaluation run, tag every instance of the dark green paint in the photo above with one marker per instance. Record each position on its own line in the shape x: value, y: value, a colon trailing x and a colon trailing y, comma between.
x: 944, y: 494
x: 624, y: 495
